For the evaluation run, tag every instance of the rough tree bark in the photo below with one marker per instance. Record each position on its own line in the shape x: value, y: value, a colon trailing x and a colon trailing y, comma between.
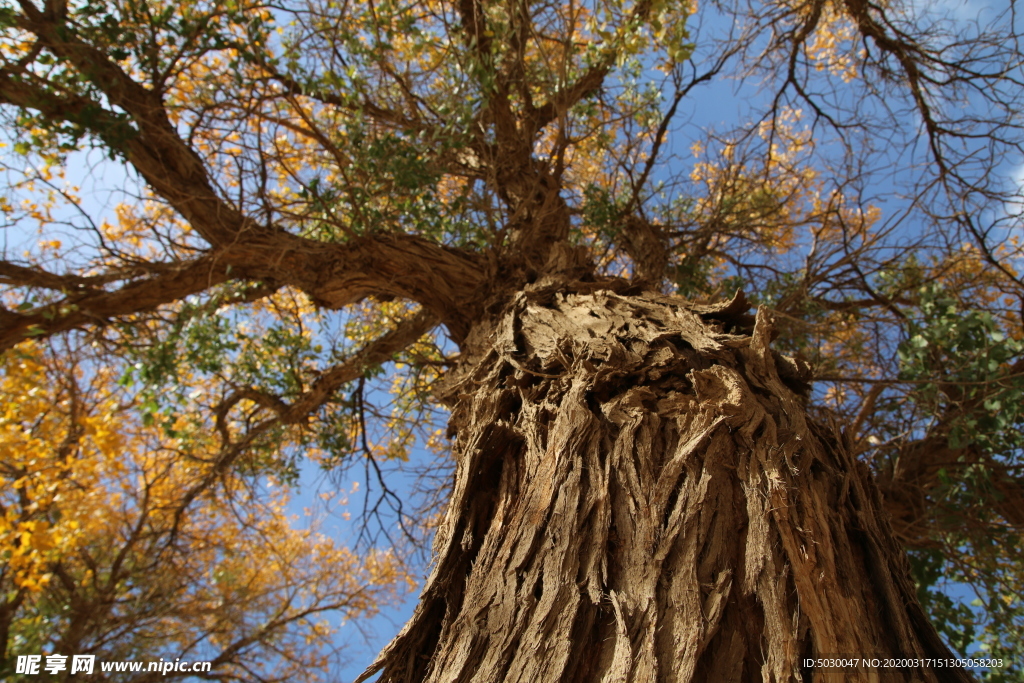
x: 641, y: 496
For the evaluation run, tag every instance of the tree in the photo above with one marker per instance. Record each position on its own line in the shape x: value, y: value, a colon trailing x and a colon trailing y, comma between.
x: 646, y: 487
x: 121, y: 543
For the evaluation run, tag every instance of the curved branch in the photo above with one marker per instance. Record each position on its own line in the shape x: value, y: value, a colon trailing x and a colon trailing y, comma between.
x: 376, y: 352
x: 90, y: 307
x: 403, y: 266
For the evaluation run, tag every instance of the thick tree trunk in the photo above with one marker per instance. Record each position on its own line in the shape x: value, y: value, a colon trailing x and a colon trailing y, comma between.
x: 640, y: 496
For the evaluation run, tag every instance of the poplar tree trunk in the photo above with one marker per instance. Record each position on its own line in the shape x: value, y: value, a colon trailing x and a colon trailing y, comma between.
x: 641, y: 496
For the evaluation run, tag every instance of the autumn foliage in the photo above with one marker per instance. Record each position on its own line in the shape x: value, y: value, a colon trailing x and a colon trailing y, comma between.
x: 117, y: 543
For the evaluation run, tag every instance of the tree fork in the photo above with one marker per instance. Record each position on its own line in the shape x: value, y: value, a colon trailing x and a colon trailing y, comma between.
x: 641, y: 496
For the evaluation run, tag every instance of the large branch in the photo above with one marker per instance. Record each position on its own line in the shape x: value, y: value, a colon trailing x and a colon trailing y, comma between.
x: 352, y: 368
x: 915, y: 486
x: 398, y: 265
x: 449, y: 283
x: 915, y: 492
x: 25, y: 276
x: 378, y: 351
x: 588, y: 83
x: 88, y: 306
x: 154, y: 147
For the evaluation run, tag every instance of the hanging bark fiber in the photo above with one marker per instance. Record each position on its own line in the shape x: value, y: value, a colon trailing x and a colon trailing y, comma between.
x: 659, y: 453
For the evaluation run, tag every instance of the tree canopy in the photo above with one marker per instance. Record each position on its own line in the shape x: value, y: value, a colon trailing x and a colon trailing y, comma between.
x: 240, y: 236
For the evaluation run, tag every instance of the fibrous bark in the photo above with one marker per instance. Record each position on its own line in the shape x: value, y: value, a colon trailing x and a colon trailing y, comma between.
x: 641, y: 496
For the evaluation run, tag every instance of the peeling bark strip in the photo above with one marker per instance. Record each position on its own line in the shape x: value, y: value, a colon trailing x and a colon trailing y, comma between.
x: 656, y: 453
